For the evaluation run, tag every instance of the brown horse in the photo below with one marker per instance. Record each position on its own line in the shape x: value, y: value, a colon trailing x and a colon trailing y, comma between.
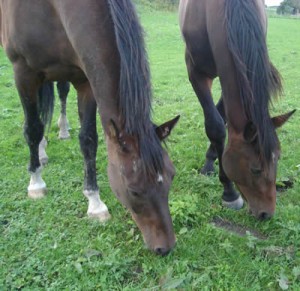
x: 98, y: 46
x: 228, y: 39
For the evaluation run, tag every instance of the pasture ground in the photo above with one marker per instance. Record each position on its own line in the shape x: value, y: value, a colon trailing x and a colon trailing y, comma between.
x: 51, y: 244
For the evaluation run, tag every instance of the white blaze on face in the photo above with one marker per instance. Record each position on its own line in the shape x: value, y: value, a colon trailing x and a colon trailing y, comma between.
x: 273, y: 157
x: 122, y: 170
x: 134, y: 166
x: 160, y: 178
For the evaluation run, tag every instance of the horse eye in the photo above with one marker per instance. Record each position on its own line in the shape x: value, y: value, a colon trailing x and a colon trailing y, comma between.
x: 135, y: 194
x: 124, y: 147
x: 256, y: 171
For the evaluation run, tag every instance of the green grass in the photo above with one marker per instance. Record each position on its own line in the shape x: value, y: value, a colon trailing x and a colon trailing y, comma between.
x: 51, y: 244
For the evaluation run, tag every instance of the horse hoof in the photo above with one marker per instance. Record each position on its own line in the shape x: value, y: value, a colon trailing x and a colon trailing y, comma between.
x: 37, y: 193
x: 101, y: 216
x: 208, y: 169
x: 64, y: 135
x: 236, y: 204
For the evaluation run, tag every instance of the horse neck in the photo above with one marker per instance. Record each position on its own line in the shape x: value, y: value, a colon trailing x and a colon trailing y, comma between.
x: 134, y: 85
x: 235, y: 114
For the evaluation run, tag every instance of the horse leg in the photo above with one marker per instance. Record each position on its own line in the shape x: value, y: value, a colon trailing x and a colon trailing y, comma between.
x: 63, y: 89
x: 46, y: 91
x: 27, y: 83
x: 211, y: 154
x: 215, y: 130
x: 88, y: 138
x: 42, y: 151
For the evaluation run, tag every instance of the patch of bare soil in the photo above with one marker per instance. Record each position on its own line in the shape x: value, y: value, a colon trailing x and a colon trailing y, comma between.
x: 284, y: 185
x: 236, y: 228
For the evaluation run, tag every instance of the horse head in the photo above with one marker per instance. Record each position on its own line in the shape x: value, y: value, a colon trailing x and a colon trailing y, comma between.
x: 144, y: 194
x: 255, y: 178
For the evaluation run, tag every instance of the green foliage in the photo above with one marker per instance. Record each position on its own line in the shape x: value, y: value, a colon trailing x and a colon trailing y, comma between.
x: 50, y: 244
x: 158, y: 4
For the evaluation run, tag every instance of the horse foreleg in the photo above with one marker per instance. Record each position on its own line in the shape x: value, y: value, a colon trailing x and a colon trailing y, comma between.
x: 27, y: 84
x: 210, y: 157
x: 215, y: 131
x: 88, y: 138
x: 63, y: 123
x: 211, y: 154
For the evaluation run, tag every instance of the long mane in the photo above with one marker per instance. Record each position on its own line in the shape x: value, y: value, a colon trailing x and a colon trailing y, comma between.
x: 135, y: 85
x: 257, y: 78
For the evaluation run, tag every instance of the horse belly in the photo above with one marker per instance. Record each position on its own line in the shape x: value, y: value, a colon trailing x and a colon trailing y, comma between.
x: 36, y: 36
x: 63, y: 72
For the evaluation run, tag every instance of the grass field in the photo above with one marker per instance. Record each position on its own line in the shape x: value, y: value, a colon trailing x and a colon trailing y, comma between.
x: 51, y: 244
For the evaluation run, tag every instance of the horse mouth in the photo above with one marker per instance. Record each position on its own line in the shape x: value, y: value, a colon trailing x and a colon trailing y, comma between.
x: 159, y: 241
x: 261, y: 215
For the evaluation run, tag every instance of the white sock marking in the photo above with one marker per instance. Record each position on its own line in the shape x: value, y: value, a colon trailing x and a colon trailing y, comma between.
x: 37, y: 186
x: 42, y: 151
x: 64, y: 127
x: 96, y: 207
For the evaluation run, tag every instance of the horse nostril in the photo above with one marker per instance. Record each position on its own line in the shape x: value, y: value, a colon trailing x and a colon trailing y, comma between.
x: 264, y: 216
x: 162, y: 251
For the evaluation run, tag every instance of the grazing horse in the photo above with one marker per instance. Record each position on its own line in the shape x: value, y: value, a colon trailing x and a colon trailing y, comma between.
x: 99, y: 48
x: 228, y: 39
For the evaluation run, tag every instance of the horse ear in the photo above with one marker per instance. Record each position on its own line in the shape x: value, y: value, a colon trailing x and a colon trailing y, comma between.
x: 281, y: 119
x: 113, y: 129
x: 115, y: 134
x: 164, y: 130
x: 250, y: 132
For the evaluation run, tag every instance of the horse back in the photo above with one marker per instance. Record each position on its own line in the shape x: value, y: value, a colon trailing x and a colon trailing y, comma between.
x: 202, y: 23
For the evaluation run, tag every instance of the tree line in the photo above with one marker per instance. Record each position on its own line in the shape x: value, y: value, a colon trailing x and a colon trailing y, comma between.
x: 289, y: 7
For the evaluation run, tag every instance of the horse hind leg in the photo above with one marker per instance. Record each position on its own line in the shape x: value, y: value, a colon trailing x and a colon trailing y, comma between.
x: 46, y: 93
x: 88, y: 138
x: 27, y: 84
x: 43, y: 157
x: 63, y: 89
x: 215, y: 131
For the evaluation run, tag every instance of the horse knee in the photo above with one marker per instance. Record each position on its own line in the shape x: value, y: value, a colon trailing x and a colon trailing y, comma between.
x: 88, y: 143
x: 215, y: 130
x: 34, y: 132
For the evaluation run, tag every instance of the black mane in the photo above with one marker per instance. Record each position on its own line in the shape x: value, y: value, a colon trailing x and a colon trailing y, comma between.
x: 257, y: 78
x: 135, y: 85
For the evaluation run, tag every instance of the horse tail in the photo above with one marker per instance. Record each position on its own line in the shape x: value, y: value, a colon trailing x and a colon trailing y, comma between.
x: 46, y: 102
x: 257, y: 78
x: 135, y: 85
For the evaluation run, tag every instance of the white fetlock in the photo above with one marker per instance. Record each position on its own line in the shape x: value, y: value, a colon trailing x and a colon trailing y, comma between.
x: 64, y: 134
x: 97, y: 209
x: 42, y: 152
x: 236, y: 204
x: 37, y: 187
x: 64, y: 127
